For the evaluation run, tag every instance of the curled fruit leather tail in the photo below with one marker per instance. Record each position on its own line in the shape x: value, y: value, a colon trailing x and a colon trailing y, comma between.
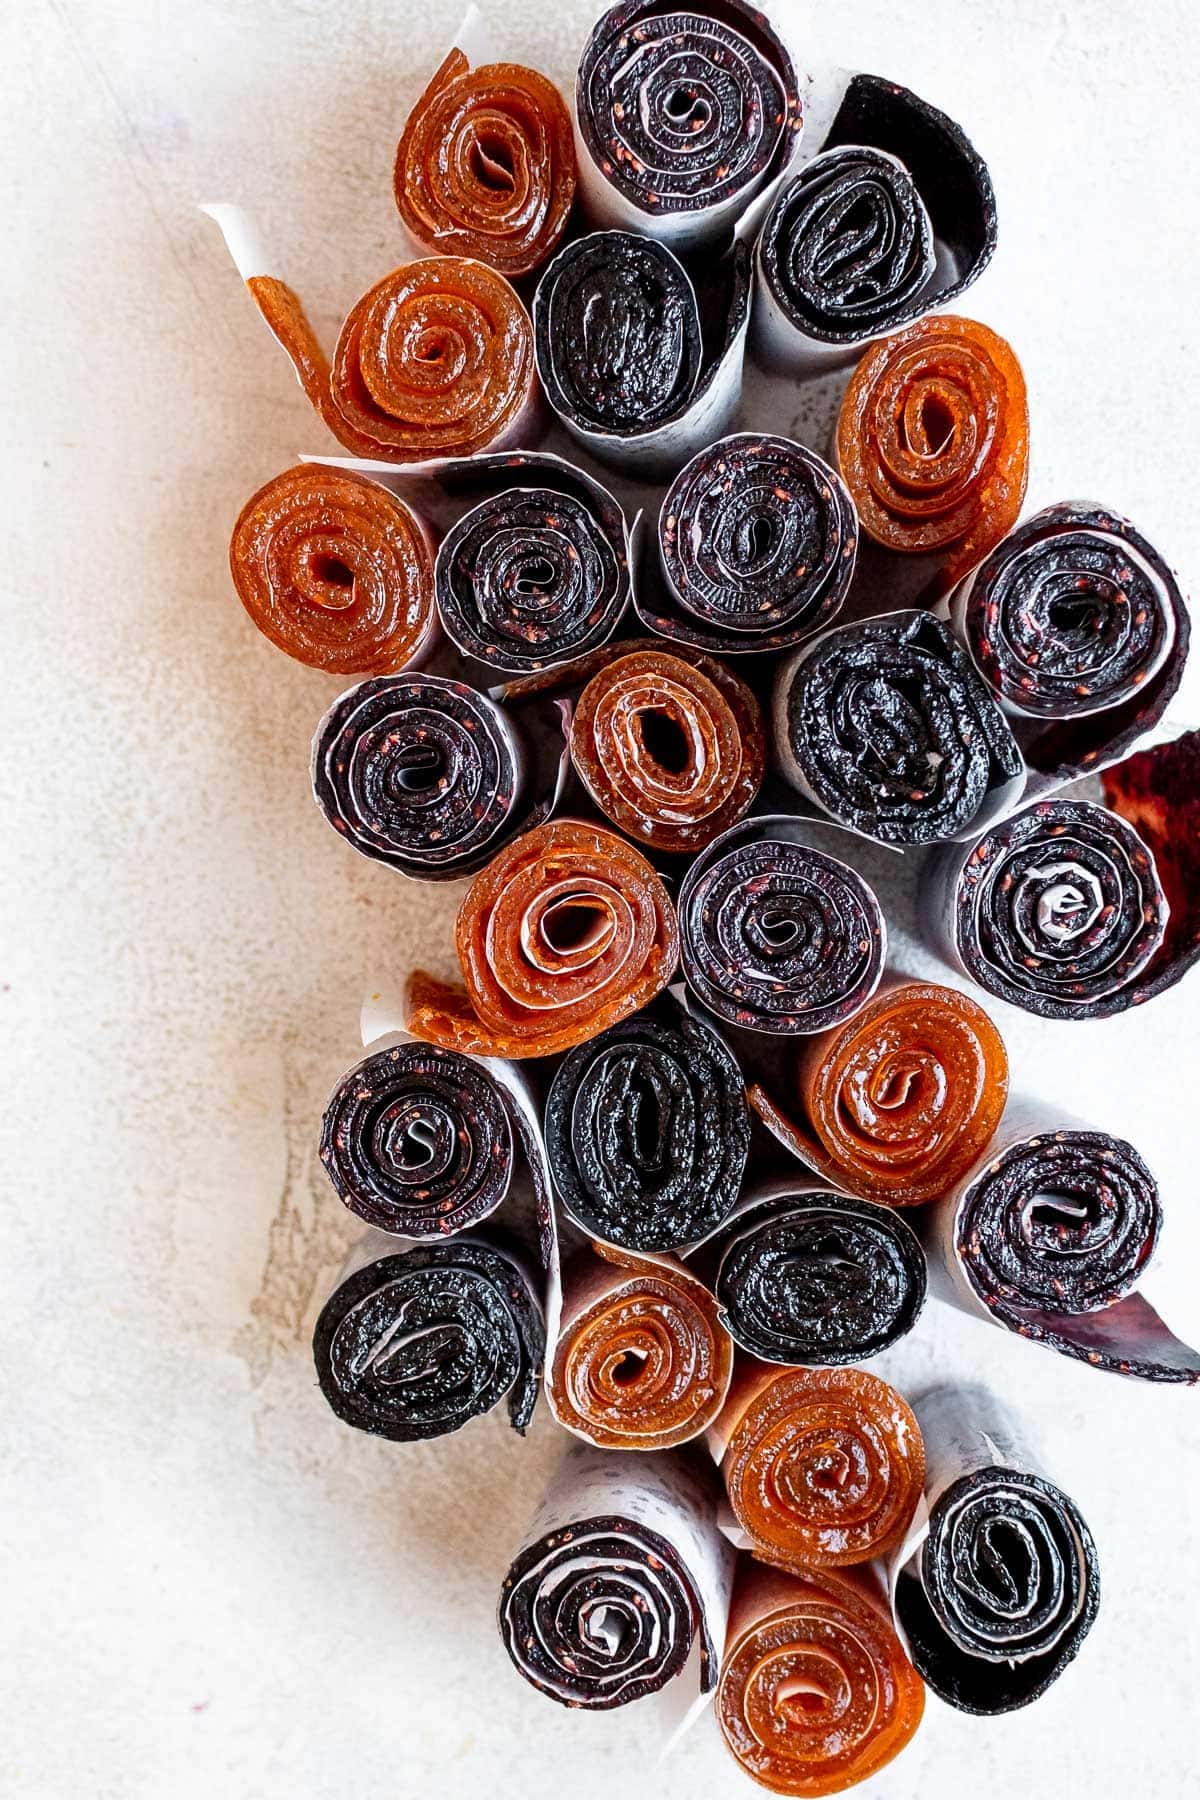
x: 486, y: 165
x: 336, y: 571
x: 683, y: 115
x: 640, y: 358
x: 1080, y: 629
x: 567, y: 931
x: 419, y: 1141
x: 776, y: 934
x: 1059, y: 910
x: 622, y: 1582
x: 535, y: 573
x: 821, y: 1466
x: 757, y: 540
x: 648, y: 1132
x: 933, y: 443
x: 642, y: 1360
x: 670, y: 747
x: 897, y: 1105
x: 1051, y: 1234
x: 895, y: 217
x: 811, y: 1277
x: 431, y: 777
x: 415, y: 1343
x: 816, y: 1693
x: 435, y: 360
x: 886, y: 726
x: 997, y: 1586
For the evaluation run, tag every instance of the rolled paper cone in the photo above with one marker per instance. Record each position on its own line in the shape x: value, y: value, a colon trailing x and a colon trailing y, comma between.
x: 1051, y: 1235
x: 336, y: 571
x: 816, y: 1693
x: 809, y: 1277
x: 757, y: 539
x: 933, y: 443
x: 535, y: 573
x: 822, y: 1467
x: 485, y: 166
x: 420, y: 1141
x: 671, y: 748
x: 648, y: 1132
x: 885, y: 725
x: 682, y: 117
x: 640, y: 359
x: 776, y: 934
x: 429, y: 776
x: 1059, y: 910
x: 621, y: 1586
x: 642, y: 1360
x: 998, y: 1583
x: 1080, y: 628
x: 417, y: 1340
x: 567, y: 931
x: 897, y: 1104
x: 894, y: 218
x: 435, y: 360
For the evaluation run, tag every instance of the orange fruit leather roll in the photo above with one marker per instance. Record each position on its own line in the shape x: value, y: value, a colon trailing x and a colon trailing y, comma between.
x: 642, y: 1360
x: 335, y: 570
x: 821, y: 1466
x: 486, y: 165
x: 436, y: 360
x: 566, y: 931
x: 933, y: 442
x: 900, y: 1102
x: 815, y: 1692
x: 671, y: 748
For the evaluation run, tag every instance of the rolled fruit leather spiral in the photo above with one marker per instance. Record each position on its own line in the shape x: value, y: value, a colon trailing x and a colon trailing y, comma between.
x: 886, y: 726
x: 1079, y: 626
x: 336, y: 571
x: 642, y: 1359
x: 535, y: 572
x: 811, y: 1277
x: 899, y: 1102
x: 816, y: 1693
x: 640, y: 357
x: 822, y: 1467
x: 416, y: 1342
x: 670, y: 747
x: 757, y: 540
x: 1059, y: 910
x: 431, y: 777
x: 1051, y: 1234
x: 567, y: 931
x: 435, y: 360
x: 933, y: 443
x: 485, y: 166
x: 892, y: 219
x: 998, y: 1583
x: 683, y: 114
x: 621, y: 1586
x: 648, y: 1131
x: 777, y: 934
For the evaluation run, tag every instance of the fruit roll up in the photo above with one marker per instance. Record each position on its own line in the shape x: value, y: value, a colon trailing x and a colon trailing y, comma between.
x: 997, y: 1584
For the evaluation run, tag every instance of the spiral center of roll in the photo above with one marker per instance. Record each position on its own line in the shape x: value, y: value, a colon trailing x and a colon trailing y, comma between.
x: 492, y: 164
x: 1069, y: 900
x: 334, y: 581
x: 575, y: 926
x: 416, y: 769
x: 664, y: 740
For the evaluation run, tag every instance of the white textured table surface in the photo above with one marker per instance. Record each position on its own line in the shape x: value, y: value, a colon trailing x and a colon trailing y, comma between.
x: 211, y: 1587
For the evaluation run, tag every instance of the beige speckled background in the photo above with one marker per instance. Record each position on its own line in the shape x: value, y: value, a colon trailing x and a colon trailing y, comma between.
x: 211, y: 1588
